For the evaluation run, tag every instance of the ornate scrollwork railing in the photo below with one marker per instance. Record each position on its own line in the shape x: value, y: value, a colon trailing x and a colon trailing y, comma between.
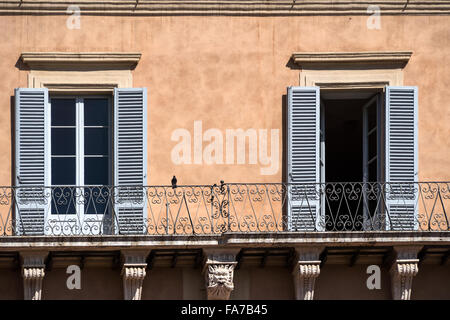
x: 225, y: 207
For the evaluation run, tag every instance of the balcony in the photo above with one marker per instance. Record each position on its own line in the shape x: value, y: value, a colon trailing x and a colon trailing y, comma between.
x: 224, y: 208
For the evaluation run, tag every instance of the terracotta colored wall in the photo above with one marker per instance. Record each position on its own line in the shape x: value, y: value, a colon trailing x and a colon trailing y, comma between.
x: 230, y: 72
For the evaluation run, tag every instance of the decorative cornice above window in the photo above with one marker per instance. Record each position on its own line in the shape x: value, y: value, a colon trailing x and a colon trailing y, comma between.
x: 397, y: 59
x: 80, y: 71
x: 351, y: 70
x: 113, y: 60
x: 231, y: 8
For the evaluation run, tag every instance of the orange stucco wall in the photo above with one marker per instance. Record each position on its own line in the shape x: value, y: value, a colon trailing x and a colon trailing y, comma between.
x: 230, y: 72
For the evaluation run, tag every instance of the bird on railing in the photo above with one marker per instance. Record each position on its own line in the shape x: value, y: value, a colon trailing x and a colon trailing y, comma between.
x: 174, y: 182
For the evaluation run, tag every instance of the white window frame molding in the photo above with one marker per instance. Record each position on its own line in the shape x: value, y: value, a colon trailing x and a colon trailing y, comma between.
x: 351, y: 70
x: 80, y: 73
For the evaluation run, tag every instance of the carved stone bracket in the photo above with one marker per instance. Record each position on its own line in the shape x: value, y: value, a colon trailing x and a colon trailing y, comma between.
x: 403, y: 270
x: 133, y: 273
x: 219, y: 273
x: 305, y: 274
x: 33, y: 272
x: 306, y: 271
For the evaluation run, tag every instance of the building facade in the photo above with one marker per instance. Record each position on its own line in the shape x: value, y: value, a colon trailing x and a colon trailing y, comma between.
x: 224, y: 150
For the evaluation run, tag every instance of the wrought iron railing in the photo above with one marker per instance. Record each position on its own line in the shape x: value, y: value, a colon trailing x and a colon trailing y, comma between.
x: 225, y: 207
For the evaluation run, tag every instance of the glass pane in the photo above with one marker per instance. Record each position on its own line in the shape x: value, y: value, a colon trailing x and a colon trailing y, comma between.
x: 96, y: 112
x: 63, y: 171
x: 96, y: 171
x: 63, y: 141
x: 63, y: 200
x: 97, y: 200
x: 373, y: 171
x: 63, y: 112
x: 372, y: 145
x: 96, y: 141
x: 372, y: 110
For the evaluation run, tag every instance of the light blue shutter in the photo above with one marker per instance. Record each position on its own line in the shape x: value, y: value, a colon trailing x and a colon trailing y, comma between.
x: 303, y: 158
x: 130, y: 131
x: 401, y: 158
x: 32, y: 153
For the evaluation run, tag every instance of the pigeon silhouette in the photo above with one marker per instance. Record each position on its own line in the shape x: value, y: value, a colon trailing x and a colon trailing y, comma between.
x: 174, y: 182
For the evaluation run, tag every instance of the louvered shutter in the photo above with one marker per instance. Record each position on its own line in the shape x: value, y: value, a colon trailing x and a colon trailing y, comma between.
x: 130, y: 152
x: 31, y: 164
x: 303, y: 158
x: 401, y: 158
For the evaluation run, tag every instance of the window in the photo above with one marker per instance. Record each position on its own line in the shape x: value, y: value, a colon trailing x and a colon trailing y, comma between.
x: 69, y: 149
x: 352, y: 139
x: 351, y: 157
x: 80, y: 154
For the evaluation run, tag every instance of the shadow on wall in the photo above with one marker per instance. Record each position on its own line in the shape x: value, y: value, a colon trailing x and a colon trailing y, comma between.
x: 431, y: 282
x: 22, y: 67
x: 13, y: 139
x: 11, y: 284
x: 341, y: 282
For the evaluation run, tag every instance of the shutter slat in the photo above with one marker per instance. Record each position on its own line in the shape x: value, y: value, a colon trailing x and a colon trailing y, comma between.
x: 32, y: 154
x: 401, y: 157
x: 303, y: 157
x: 130, y: 158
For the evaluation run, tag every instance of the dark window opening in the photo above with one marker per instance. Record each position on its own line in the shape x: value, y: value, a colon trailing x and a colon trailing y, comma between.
x: 349, y: 160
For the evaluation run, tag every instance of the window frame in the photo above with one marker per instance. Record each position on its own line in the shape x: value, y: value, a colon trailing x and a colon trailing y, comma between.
x: 80, y: 210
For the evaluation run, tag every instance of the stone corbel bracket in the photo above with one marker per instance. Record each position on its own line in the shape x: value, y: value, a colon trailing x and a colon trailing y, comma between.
x: 219, y: 274
x: 33, y: 272
x: 305, y: 271
x: 403, y: 270
x: 133, y: 273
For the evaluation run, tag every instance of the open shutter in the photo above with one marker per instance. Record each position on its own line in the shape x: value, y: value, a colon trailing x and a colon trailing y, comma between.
x: 130, y: 152
x: 31, y: 164
x: 303, y: 158
x: 401, y: 158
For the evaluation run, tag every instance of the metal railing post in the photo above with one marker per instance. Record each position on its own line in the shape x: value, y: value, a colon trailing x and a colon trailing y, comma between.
x: 167, y: 218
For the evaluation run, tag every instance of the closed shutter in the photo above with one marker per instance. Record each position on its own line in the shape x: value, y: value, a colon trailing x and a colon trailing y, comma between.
x: 130, y: 159
x: 303, y: 131
x: 31, y: 164
x: 401, y: 158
